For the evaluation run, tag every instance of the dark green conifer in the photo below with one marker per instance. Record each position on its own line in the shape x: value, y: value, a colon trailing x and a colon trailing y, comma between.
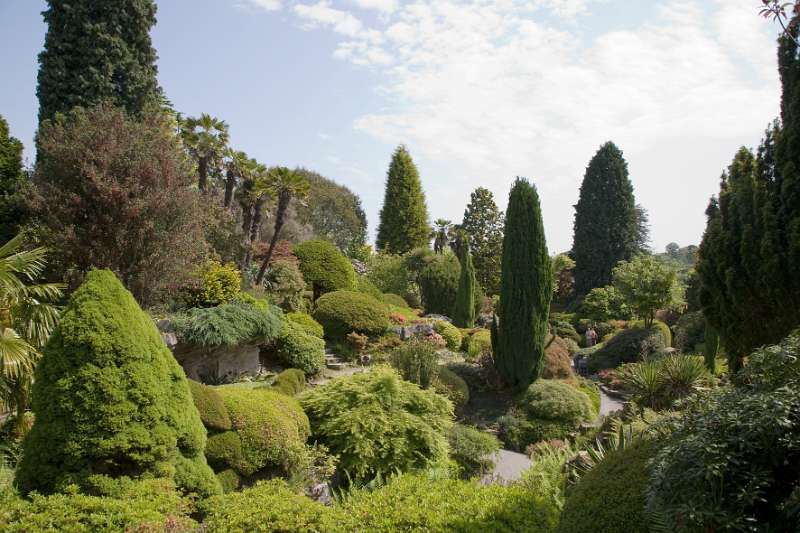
x: 95, y: 51
x: 12, y: 179
x: 607, y: 225
x: 404, y: 216
x: 526, y: 290
x: 464, y: 311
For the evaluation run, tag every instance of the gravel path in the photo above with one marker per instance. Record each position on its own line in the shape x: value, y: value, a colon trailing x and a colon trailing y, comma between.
x: 609, y: 404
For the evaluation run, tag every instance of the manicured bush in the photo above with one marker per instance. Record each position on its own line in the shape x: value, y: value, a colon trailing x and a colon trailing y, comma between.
x: 610, y: 497
x: 228, y: 324
x: 472, y: 449
x: 217, y: 284
x: 557, y: 359
x: 416, y: 360
x: 438, y: 283
x: 450, y: 333
x: 295, y: 347
x: 480, y: 342
x: 324, y: 268
x: 363, y: 284
x: 307, y: 321
x: 394, y: 300
x: 229, y: 480
x: 452, y: 386
x: 377, y: 423
x: 342, y: 312
x: 110, y: 400
x: 627, y: 346
x: 211, y: 407
x: 290, y: 382
x: 271, y: 428
x: 224, y: 450
x: 146, y: 505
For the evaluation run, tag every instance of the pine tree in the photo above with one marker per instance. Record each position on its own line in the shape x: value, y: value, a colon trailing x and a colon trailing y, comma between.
x: 11, y: 181
x: 483, y: 222
x: 96, y: 51
x: 404, y: 216
x: 526, y: 290
x: 464, y: 312
x: 607, y: 227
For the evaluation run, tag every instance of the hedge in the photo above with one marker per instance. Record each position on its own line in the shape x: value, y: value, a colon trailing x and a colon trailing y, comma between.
x: 343, y: 312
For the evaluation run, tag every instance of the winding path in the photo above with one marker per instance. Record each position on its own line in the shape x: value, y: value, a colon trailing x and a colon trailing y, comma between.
x: 609, y: 404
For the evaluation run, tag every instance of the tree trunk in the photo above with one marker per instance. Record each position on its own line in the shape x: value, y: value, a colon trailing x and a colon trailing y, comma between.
x: 258, y: 213
x: 280, y: 220
x: 230, y: 183
x: 202, y: 170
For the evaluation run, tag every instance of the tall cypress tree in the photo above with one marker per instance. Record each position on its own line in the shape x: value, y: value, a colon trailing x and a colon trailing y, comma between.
x: 404, y: 216
x: 483, y: 222
x: 96, y: 51
x: 526, y: 289
x: 464, y: 312
x: 607, y: 228
x: 11, y: 180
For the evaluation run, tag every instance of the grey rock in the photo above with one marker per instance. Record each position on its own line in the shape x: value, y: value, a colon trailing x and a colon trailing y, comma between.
x: 214, y: 364
x: 439, y: 317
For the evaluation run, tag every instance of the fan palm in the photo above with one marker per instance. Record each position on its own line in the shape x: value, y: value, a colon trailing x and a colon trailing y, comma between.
x: 206, y: 139
x: 286, y: 184
x: 253, y: 194
x: 441, y: 234
x: 27, y: 317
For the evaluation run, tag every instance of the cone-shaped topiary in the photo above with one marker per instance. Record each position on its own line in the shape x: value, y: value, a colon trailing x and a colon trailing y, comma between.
x: 464, y: 311
x: 111, y: 401
x: 526, y: 289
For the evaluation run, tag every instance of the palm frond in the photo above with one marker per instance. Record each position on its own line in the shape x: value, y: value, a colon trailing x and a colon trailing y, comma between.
x: 17, y: 357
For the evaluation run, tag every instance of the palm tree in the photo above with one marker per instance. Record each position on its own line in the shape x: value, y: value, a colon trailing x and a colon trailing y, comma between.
x: 441, y: 234
x: 205, y: 138
x: 235, y: 166
x: 27, y: 317
x: 253, y: 193
x: 286, y: 184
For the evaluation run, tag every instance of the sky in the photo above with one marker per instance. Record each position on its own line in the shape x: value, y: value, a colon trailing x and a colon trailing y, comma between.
x: 480, y: 91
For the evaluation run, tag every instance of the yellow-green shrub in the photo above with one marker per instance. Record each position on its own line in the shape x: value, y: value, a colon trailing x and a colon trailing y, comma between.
x: 307, y: 321
x: 290, y: 382
x: 295, y: 347
x: 210, y: 406
x: 342, y: 312
x: 218, y: 284
x: 480, y: 342
x: 452, y: 386
x: 450, y: 333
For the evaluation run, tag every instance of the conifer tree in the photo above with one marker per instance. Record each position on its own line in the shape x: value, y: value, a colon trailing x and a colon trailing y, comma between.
x: 11, y: 180
x: 483, y: 222
x: 95, y: 51
x: 607, y: 225
x: 404, y: 216
x: 526, y: 290
x: 464, y: 312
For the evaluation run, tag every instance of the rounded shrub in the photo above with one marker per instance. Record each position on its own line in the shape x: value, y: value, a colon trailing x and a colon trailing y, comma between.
x: 438, y: 284
x: 378, y: 424
x: 110, y: 400
x: 611, y: 496
x: 363, y: 284
x: 285, y: 284
x: 224, y: 450
x: 450, y: 333
x: 557, y: 359
x: 452, y: 386
x: 296, y: 348
x: 218, y: 284
x: 210, y: 406
x: 290, y: 382
x: 307, y: 321
x: 627, y: 346
x: 343, y: 312
x: 666, y: 333
x: 480, y: 342
x: 324, y: 268
x: 395, y: 300
x: 472, y: 449
x: 229, y: 480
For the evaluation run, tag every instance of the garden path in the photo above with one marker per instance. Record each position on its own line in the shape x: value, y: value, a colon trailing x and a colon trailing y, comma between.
x: 608, y: 404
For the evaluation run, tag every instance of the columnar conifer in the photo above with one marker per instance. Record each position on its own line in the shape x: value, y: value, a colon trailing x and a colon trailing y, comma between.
x: 526, y: 290
x: 11, y: 180
x: 464, y: 312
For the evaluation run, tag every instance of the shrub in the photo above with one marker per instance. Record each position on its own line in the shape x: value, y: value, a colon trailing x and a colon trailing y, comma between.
x: 146, y: 505
x: 438, y: 284
x: 110, y: 400
x: 605, y: 303
x: 389, y: 274
x: 285, y: 283
x: 229, y: 480
x: 450, y: 333
x: 627, y: 346
x: 377, y: 423
x: 218, y: 284
x: 324, y: 268
x: 452, y: 386
x: 224, y: 450
x: 271, y: 427
x: 565, y: 330
x: 341, y: 312
x: 472, y: 449
x: 363, y: 284
x: 295, y: 347
x: 611, y: 496
x: 416, y: 360
x: 311, y: 326
x: 666, y: 333
x: 589, y: 389
x: 557, y: 359
x: 211, y: 407
x: 659, y: 383
x: 290, y: 382
x: 480, y: 343
x: 690, y: 331
x: 228, y: 324
x: 394, y: 300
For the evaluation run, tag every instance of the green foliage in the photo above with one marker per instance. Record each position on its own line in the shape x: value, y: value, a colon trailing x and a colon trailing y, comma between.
x: 394, y: 300
x: 606, y: 229
x: 527, y: 287
x: 483, y: 222
x: 464, y: 310
x: 378, y: 424
x: 110, y: 400
x: 296, y: 347
x: 363, y: 284
x: 659, y: 383
x: 290, y: 382
x: 219, y: 284
x: 311, y: 326
x: 731, y: 460
x: 690, y: 332
x: 663, y: 329
x: 648, y: 284
x: 611, y: 496
x: 12, y: 180
x: 710, y: 348
x: 211, y: 407
x: 438, y: 283
x: 229, y: 480
x: 450, y: 333
x: 416, y: 360
x: 389, y: 273
x: 404, y: 217
x: 472, y: 449
x: 565, y: 330
x: 146, y: 505
x: 228, y: 324
x: 324, y: 268
x: 285, y: 283
x: 627, y: 346
x: 480, y: 343
x: 452, y: 386
x: 563, y: 278
x: 119, y: 66
x: 342, y: 312
x: 605, y: 303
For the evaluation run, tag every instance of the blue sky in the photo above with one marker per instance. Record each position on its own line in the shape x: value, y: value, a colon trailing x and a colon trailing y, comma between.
x: 479, y: 90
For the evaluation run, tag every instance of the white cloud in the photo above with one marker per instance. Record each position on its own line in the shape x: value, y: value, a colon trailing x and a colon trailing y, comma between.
x: 384, y: 6
x: 488, y: 89
x: 266, y: 5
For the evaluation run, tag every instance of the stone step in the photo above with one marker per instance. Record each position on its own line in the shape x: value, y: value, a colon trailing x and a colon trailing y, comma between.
x: 335, y: 366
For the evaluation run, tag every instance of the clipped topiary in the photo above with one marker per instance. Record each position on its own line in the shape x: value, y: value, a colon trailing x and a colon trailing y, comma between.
x: 342, y: 312
x: 438, y: 283
x: 218, y: 284
x: 363, y: 284
x: 307, y: 321
x: 450, y: 333
x: 295, y: 347
x: 210, y: 406
x: 229, y: 480
x: 379, y: 424
x: 290, y: 382
x: 324, y: 268
x: 110, y: 400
